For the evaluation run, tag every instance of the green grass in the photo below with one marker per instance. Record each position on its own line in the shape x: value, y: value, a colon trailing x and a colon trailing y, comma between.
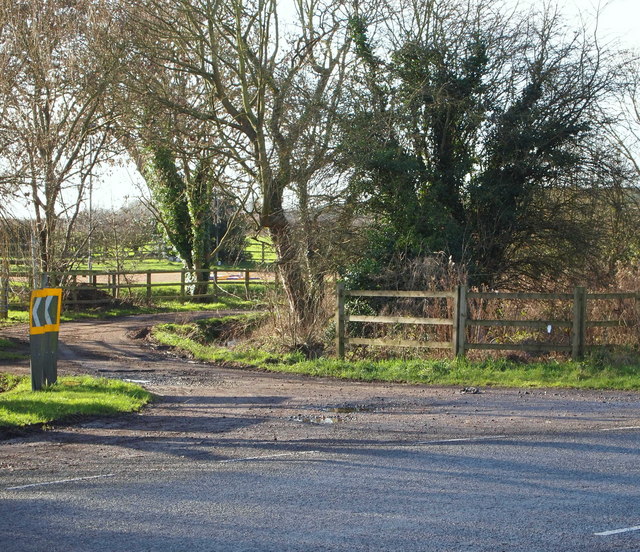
x: 16, y: 316
x: 254, y: 250
x: 73, y: 396
x: 6, y: 352
x: 594, y: 373
x: 165, y: 306
x: 159, y: 305
x: 178, y: 335
x: 136, y: 265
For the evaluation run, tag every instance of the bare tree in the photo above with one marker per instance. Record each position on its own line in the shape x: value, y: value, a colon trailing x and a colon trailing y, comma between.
x: 625, y: 138
x: 8, y: 69
x: 269, y: 88
x: 625, y: 135
x: 53, y: 115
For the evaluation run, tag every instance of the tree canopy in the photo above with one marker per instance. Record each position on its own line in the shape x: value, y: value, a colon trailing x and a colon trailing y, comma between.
x: 481, y: 137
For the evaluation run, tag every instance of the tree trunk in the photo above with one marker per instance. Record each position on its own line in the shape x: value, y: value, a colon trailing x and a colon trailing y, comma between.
x: 199, y: 281
x: 296, y: 285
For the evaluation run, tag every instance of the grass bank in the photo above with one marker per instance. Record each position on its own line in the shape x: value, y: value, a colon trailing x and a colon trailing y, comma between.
x: 606, y: 371
x: 71, y: 396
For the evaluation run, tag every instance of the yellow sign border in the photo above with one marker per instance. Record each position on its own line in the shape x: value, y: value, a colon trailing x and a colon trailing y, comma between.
x: 46, y: 292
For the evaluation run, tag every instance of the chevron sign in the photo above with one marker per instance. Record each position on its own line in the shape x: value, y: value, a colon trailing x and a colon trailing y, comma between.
x: 45, y: 310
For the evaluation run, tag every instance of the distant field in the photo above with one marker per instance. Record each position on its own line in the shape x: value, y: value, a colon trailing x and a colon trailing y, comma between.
x: 259, y: 252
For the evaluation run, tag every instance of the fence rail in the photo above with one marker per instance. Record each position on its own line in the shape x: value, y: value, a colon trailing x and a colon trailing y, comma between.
x: 460, y: 320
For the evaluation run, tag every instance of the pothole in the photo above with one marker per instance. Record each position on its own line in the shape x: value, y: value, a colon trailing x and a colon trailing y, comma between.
x: 320, y: 420
x: 125, y: 370
x: 140, y: 333
x: 350, y: 408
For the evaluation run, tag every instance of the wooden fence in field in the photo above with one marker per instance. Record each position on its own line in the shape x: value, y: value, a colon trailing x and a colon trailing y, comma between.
x: 90, y: 288
x: 461, y: 322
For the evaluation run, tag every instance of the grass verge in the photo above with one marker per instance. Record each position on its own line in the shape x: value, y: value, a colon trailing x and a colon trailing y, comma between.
x: 597, y: 372
x: 72, y: 396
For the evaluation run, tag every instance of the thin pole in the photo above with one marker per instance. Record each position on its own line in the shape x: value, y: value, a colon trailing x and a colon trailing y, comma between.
x: 90, y: 260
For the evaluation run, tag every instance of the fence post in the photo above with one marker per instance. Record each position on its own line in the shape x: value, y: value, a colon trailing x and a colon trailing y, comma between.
x: 340, y: 320
x: 114, y: 283
x: 460, y: 321
x: 74, y: 294
x: 579, y: 328
x: 148, y: 286
x: 4, y: 296
x: 183, y: 294
x: 215, y: 283
x: 246, y: 284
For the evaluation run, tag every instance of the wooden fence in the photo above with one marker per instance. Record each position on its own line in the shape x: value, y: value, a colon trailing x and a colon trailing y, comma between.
x: 89, y: 288
x: 460, y: 321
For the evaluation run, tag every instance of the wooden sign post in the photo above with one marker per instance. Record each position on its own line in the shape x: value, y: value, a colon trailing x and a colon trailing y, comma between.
x: 44, y: 325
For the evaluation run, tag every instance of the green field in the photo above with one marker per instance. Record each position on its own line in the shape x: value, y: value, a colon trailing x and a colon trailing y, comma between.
x: 259, y: 252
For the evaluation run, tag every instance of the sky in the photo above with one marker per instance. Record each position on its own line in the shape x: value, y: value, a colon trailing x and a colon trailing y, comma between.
x: 618, y: 23
x: 619, y: 19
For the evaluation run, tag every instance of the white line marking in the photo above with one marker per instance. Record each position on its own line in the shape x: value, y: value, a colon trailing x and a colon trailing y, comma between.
x: 618, y: 531
x: 36, y: 306
x: 620, y: 428
x: 462, y: 440
x: 59, y: 481
x: 267, y: 457
x: 47, y: 304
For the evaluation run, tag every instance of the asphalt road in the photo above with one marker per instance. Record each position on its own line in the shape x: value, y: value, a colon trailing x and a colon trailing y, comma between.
x: 229, y: 460
x: 513, y: 494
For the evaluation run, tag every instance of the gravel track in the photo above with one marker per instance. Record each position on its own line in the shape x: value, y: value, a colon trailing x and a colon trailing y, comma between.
x: 207, y: 402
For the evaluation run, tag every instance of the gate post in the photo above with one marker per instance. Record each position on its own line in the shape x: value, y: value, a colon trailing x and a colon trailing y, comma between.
x: 340, y: 320
x: 4, y: 295
x: 579, y: 327
x: 460, y: 321
x: 148, y: 286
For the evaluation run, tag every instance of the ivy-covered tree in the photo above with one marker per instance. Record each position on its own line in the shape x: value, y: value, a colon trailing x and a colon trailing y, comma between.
x: 183, y: 207
x: 267, y: 87
x: 178, y: 155
x: 201, y: 225
x: 479, y: 136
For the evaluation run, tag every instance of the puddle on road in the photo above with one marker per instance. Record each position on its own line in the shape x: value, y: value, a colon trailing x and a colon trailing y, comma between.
x: 321, y: 420
x: 125, y: 370
x: 350, y: 409
x: 333, y: 409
